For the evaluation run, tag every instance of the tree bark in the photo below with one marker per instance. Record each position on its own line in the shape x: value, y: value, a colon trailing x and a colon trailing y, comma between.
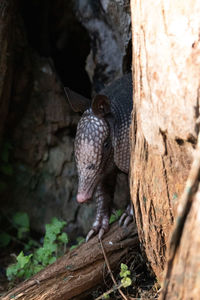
x: 182, y: 280
x: 166, y: 106
x: 78, y: 271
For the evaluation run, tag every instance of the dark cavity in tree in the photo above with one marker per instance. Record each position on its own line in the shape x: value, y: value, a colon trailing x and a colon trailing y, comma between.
x: 54, y: 31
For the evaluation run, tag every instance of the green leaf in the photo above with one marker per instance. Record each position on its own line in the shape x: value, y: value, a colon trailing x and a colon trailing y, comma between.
x: 119, y: 213
x: 20, y: 268
x: 126, y: 282
x: 63, y: 238
x: 106, y: 296
x: 21, y: 273
x: 21, y: 219
x: 5, y: 239
x: 114, y: 217
x: 44, y: 254
x: 52, y: 260
x: 50, y: 248
x: 124, y: 271
x: 53, y: 229
x: 57, y: 225
x: 50, y: 236
x: 124, y: 267
x: 11, y: 271
x: 40, y: 255
x: 23, y: 259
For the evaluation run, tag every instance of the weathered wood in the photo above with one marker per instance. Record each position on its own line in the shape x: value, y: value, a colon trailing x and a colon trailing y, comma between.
x: 77, y: 271
x: 166, y: 106
x: 182, y: 280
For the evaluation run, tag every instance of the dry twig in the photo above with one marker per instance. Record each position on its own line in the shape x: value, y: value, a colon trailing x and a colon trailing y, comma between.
x: 111, y: 274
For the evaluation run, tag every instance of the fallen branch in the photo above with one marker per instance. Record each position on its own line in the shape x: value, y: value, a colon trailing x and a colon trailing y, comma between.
x: 78, y: 271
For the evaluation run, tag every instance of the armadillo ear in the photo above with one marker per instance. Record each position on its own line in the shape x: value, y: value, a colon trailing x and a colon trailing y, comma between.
x: 77, y: 102
x: 101, y: 105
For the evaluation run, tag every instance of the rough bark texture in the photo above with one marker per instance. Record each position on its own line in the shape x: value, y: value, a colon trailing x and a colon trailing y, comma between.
x: 78, y: 271
x: 182, y: 280
x: 166, y: 106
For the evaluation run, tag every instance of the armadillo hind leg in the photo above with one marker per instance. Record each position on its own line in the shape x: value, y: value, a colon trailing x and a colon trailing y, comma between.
x: 128, y: 216
x: 103, y: 196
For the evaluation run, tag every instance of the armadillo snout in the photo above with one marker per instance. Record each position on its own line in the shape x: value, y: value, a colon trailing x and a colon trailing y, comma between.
x: 82, y: 197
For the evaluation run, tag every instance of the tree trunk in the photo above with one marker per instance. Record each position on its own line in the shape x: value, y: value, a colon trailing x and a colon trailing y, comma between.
x: 78, y: 271
x: 166, y: 106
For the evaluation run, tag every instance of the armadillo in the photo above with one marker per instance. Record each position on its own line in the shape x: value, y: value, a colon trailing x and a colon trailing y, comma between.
x: 102, y: 147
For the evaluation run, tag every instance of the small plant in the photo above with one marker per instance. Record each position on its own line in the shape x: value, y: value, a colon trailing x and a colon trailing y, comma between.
x: 114, y: 217
x: 106, y: 296
x: 124, y: 274
x: 28, y: 265
x: 125, y: 282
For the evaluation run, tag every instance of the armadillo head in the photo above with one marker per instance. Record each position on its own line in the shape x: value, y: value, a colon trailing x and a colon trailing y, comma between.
x: 93, y: 149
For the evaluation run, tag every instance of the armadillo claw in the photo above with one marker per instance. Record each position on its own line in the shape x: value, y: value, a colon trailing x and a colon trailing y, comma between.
x: 127, y: 216
x: 128, y: 220
x: 125, y: 220
x: 100, y: 227
x: 122, y: 218
x: 91, y: 233
x: 101, y: 233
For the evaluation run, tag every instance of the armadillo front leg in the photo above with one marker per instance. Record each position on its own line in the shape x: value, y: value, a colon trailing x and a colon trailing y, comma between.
x: 103, y: 196
x: 101, y: 223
